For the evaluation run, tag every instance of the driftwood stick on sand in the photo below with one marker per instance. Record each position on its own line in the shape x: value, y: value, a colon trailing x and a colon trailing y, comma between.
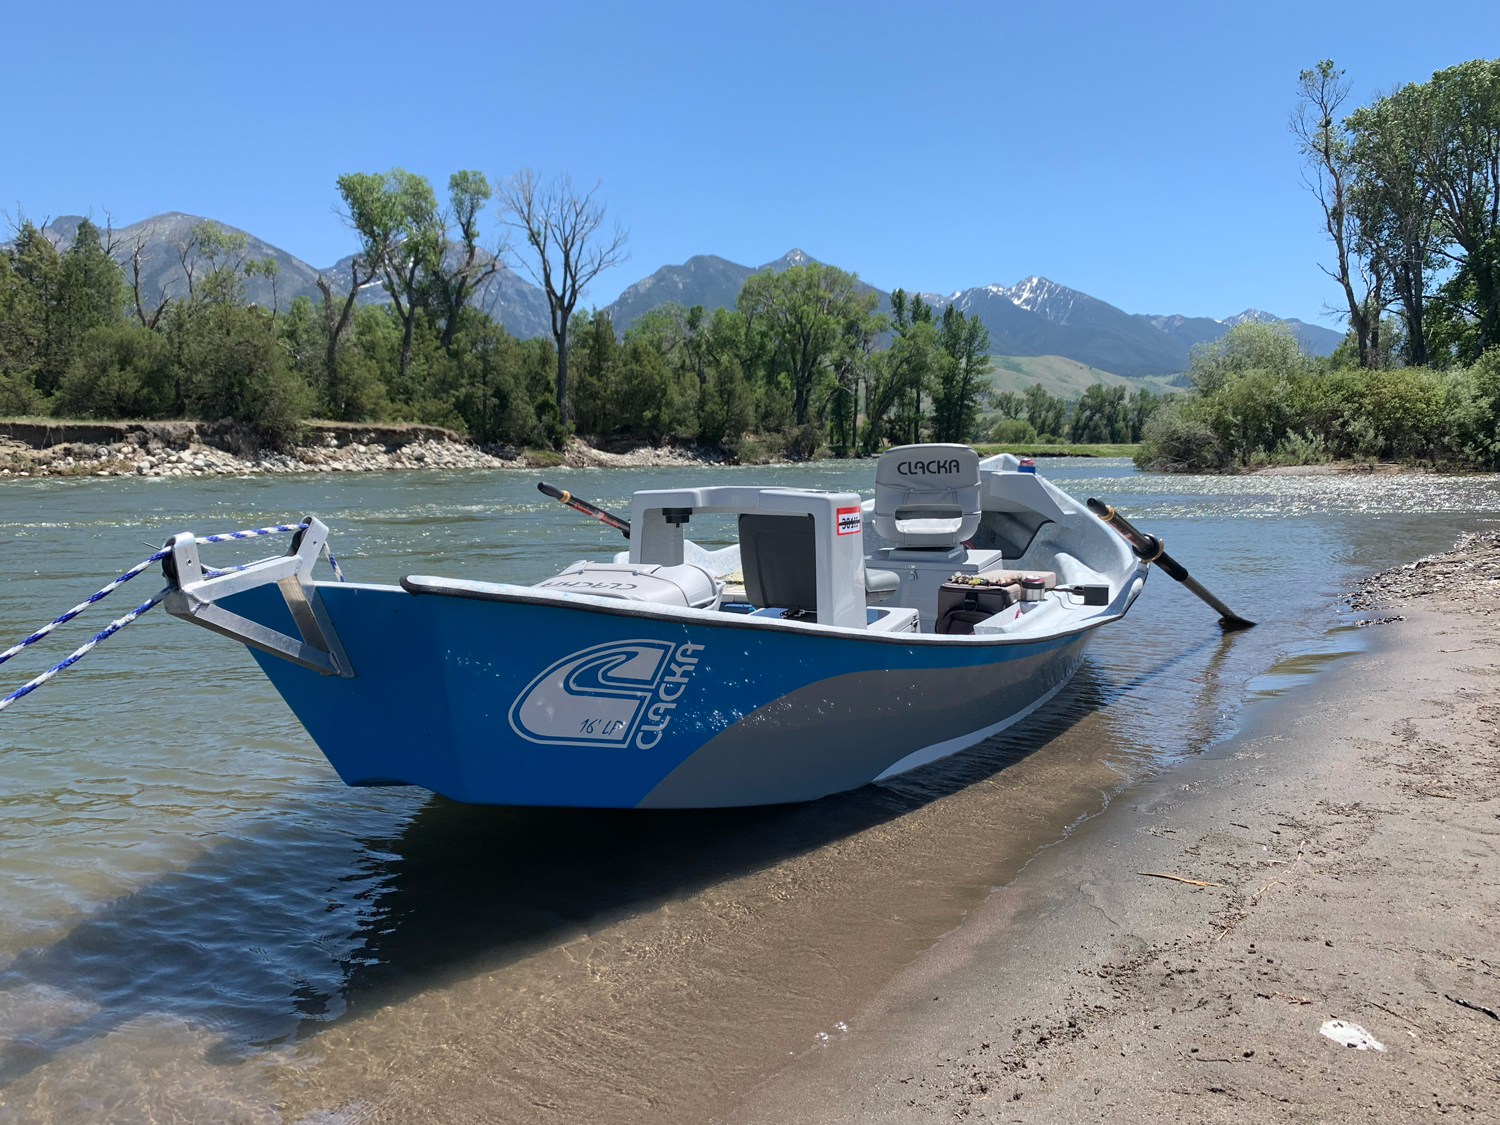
x: 1494, y: 1015
x: 1179, y: 879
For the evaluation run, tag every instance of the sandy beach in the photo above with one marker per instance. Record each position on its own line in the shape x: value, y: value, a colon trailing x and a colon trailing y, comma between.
x: 1181, y: 955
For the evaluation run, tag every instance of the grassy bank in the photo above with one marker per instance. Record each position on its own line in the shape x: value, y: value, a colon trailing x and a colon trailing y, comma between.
x: 1059, y: 450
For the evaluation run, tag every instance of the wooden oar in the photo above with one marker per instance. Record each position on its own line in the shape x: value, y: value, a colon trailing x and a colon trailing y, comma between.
x: 1150, y: 548
x: 614, y: 521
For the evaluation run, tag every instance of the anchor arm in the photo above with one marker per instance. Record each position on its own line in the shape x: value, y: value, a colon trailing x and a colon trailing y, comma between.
x: 193, y: 597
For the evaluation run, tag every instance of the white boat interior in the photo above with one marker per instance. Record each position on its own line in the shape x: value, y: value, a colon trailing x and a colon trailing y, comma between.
x: 1040, y: 561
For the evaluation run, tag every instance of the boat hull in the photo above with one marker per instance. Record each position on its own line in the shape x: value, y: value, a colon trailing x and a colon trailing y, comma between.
x: 523, y: 701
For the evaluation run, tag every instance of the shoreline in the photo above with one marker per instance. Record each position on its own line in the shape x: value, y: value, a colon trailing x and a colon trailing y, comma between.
x: 31, y: 448
x: 195, y: 449
x: 1177, y: 955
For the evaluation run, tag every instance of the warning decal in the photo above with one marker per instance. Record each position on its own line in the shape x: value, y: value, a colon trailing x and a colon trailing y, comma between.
x: 848, y: 520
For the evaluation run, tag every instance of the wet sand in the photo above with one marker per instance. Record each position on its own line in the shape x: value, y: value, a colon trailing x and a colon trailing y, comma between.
x: 775, y: 924
x: 1347, y: 843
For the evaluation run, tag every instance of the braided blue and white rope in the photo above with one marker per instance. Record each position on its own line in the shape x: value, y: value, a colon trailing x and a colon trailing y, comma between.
x: 249, y: 533
x: 115, y: 626
x: 83, y: 605
x: 83, y: 650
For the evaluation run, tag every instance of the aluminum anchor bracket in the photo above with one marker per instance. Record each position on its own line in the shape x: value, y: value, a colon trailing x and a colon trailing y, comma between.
x: 193, y: 598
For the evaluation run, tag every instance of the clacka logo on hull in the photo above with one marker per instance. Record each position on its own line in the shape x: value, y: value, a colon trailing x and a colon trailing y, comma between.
x: 618, y: 694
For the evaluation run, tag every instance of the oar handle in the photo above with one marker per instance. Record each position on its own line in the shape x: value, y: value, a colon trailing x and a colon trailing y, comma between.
x: 1152, y: 549
x: 566, y: 497
x: 1147, y: 547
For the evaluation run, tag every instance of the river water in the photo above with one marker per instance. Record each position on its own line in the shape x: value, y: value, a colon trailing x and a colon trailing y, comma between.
x: 199, y: 922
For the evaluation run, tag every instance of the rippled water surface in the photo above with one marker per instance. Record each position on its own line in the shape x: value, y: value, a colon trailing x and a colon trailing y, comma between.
x: 199, y: 922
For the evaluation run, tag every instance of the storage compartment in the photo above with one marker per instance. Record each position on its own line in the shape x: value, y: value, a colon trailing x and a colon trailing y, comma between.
x: 922, y: 572
x: 961, y: 607
x: 892, y: 620
x: 684, y: 585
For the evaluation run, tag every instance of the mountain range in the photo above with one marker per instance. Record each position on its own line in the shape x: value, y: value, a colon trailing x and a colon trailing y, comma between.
x: 1034, y: 317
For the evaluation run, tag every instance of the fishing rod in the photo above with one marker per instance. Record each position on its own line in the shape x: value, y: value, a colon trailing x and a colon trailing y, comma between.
x: 566, y: 497
x: 1151, y: 548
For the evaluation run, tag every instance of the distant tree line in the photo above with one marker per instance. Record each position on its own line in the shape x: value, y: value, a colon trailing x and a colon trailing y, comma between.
x: 803, y: 364
x: 1101, y: 415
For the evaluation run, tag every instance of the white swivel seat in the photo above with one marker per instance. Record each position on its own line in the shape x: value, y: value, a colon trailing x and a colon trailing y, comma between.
x: 927, y: 495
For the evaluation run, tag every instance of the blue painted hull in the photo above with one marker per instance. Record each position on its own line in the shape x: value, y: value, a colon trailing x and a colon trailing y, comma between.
x: 528, y: 701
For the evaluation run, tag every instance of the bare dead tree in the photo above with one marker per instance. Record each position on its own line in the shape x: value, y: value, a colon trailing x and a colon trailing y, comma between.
x: 139, y: 252
x: 1328, y: 174
x: 187, y: 255
x: 360, y: 275
x: 560, y: 225
x: 111, y: 239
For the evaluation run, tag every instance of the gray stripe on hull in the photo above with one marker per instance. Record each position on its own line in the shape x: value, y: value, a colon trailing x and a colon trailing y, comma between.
x: 937, y: 750
x: 844, y: 731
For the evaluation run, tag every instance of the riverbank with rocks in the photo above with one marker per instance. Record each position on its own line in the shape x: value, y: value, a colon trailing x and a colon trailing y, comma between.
x: 174, y: 449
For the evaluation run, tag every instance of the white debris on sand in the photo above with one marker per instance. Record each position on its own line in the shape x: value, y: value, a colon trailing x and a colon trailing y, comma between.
x: 580, y: 455
x: 1351, y: 1035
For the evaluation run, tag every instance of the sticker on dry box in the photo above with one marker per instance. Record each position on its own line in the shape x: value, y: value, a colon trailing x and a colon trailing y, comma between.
x: 848, y: 520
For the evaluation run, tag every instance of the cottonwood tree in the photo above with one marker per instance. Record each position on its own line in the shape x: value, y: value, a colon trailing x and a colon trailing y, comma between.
x: 465, y: 265
x: 805, y: 312
x: 401, y: 236
x: 1393, y: 203
x: 361, y: 273
x: 853, y: 365
x: 962, y: 372
x: 1328, y: 174
x: 565, y: 251
x: 901, y: 373
x: 1462, y: 165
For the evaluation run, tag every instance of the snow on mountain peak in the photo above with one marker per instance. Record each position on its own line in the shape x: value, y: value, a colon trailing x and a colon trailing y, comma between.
x: 1046, y: 298
x: 1251, y: 314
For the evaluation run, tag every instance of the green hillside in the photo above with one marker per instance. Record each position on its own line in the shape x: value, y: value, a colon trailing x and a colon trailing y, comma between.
x: 1059, y: 376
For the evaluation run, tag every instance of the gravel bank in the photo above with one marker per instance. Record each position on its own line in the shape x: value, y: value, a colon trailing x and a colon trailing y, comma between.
x: 188, y: 449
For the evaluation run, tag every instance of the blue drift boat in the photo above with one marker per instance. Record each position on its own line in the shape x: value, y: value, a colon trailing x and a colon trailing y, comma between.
x: 837, y: 643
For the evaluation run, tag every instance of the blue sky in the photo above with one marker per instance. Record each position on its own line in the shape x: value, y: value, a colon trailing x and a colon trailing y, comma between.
x: 1138, y: 152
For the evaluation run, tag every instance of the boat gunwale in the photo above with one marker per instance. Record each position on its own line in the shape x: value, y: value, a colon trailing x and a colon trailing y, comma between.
x: 716, y: 618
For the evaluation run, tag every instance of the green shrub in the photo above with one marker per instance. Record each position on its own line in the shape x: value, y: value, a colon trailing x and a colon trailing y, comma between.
x: 1012, y: 431
x: 1177, y: 440
x: 18, y: 397
x: 1292, y: 412
x: 121, y: 371
x: 233, y: 369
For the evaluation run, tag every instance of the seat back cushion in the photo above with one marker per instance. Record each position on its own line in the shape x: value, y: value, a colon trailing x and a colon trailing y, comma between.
x: 927, y: 495
x: 779, y: 556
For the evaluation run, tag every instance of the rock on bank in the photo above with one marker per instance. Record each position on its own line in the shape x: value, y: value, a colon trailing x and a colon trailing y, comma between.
x: 160, y: 449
